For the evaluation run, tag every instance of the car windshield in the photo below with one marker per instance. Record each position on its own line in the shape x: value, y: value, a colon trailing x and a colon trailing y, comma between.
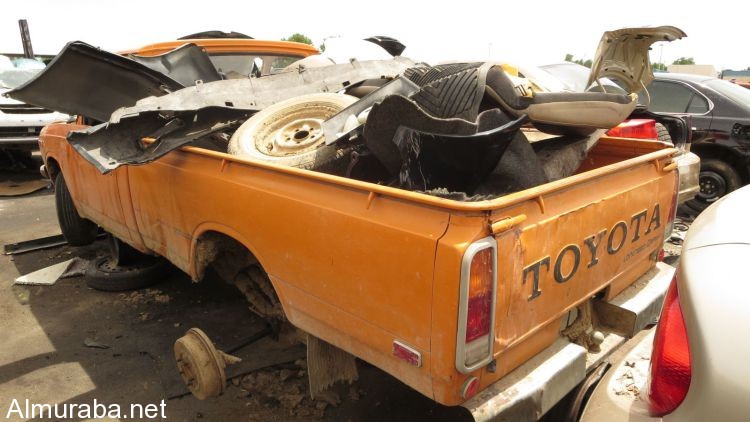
x: 736, y: 93
x: 575, y: 76
x: 16, y: 72
x: 242, y: 65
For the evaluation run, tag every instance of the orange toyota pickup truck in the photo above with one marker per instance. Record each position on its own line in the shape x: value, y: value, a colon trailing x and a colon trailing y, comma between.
x: 501, y: 305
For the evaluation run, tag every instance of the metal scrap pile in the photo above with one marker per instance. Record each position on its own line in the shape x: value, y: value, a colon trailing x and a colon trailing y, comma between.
x: 452, y: 130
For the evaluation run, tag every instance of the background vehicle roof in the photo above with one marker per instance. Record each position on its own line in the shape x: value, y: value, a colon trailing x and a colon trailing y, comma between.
x: 685, y: 77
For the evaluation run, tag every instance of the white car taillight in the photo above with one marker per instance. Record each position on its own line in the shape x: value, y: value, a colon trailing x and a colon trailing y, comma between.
x: 476, y: 311
x: 670, y: 359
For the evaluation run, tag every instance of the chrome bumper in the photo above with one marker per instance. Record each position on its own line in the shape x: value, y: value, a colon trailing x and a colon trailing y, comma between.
x: 532, y: 389
x: 688, y: 168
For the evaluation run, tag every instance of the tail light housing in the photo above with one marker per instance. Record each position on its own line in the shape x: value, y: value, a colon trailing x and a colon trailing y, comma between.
x: 635, y: 128
x: 476, y: 311
x: 670, y: 373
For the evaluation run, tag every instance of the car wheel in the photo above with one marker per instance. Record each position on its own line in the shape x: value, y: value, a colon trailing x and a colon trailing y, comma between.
x: 716, y: 179
x: 290, y: 132
x: 662, y: 134
x: 104, y: 274
x: 76, y: 230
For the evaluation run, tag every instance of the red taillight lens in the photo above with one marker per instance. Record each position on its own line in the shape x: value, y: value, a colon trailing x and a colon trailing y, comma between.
x: 635, y: 128
x: 670, y: 359
x: 478, y: 315
x: 476, y: 310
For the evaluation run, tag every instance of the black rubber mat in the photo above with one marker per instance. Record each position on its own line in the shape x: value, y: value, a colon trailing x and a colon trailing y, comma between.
x: 452, y: 90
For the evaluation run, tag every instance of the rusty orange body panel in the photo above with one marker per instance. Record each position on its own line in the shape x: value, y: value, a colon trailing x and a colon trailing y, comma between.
x: 230, y: 45
x: 362, y: 265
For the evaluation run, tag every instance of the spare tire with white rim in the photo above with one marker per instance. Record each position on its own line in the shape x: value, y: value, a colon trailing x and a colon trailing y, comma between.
x: 290, y: 132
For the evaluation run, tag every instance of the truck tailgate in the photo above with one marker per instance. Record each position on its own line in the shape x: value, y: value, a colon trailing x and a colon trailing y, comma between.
x: 576, y: 242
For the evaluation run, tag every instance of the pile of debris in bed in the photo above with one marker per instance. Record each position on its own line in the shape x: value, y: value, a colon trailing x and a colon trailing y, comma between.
x: 452, y: 130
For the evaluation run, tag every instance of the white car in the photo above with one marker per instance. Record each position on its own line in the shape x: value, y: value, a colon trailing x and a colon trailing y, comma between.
x: 20, y: 123
x: 694, y: 365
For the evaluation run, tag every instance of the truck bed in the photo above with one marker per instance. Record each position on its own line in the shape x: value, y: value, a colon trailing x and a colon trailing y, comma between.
x: 363, y: 266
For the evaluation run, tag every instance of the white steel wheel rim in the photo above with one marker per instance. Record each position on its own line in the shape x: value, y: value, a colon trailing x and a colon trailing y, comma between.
x: 292, y: 127
x: 298, y: 135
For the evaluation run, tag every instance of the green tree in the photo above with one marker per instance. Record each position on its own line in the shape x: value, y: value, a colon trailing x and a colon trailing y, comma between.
x: 300, y: 38
x: 569, y: 58
x: 684, y: 60
x: 659, y: 66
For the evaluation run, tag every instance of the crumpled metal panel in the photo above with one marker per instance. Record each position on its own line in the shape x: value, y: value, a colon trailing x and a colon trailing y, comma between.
x: 185, y: 64
x: 622, y: 55
x: 391, y: 45
x: 85, y: 80
x: 259, y: 93
x: 108, y: 146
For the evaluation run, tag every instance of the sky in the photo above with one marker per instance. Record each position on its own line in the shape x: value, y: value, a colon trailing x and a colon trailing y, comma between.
x: 524, y: 32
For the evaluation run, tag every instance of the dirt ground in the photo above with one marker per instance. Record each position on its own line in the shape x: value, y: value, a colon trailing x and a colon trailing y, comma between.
x: 44, y: 355
x: 46, y: 352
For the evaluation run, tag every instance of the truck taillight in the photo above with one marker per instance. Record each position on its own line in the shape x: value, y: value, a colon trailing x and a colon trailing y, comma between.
x: 480, y: 295
x: 477, y: 296
x: 635, y: 128
x: 670, y: 359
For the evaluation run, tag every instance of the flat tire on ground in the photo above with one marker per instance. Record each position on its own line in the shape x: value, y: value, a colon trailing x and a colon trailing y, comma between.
x: 103, y: 275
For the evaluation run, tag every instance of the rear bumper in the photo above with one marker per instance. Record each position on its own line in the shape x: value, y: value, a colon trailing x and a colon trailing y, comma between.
x: 532, y: 389
x: 19, y: 140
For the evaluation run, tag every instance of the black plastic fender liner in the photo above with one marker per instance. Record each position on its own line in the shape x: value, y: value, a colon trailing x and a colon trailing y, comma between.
x: 108, y: 146
x: 391, y: 45
x: 185, y: 64
x: 428, y: 152
x: 86, y: 80
x: 458, y: 163
x: 394, y: 111
x: 450, y: 90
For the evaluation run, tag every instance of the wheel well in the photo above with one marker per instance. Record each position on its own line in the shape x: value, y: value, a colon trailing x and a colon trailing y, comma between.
x: 706, y: 150
x: 235, y: 264
x: 226, y: 255
x: 53, y: 167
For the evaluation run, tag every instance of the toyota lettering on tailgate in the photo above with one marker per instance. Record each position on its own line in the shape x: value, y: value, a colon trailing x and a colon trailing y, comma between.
x: 588, y: 251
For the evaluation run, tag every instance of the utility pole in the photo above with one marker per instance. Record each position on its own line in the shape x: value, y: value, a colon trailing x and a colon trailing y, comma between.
x: 28, y: 52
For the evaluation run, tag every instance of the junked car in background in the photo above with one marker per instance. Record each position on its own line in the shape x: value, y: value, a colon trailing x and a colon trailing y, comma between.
x: 693, y: 365
x: 20, y: 123
x: 720, y: 115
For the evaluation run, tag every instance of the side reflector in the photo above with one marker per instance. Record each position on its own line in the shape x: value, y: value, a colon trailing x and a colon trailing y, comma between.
x: 407, y: 354
x: 470, y: 388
